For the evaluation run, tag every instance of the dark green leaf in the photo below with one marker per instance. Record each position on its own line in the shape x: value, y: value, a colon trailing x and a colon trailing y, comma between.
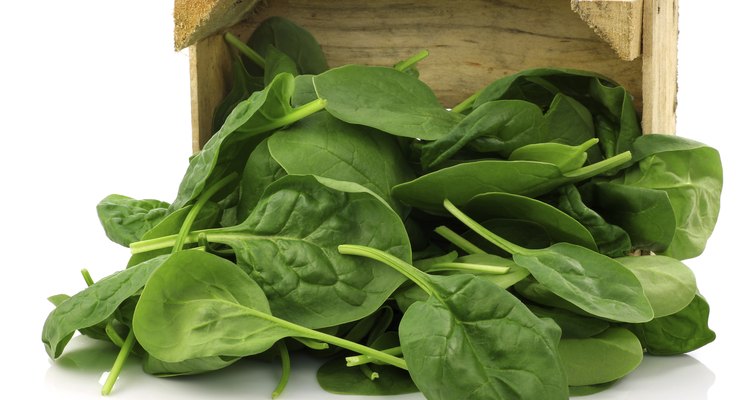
x: 125, y: 219
x: 669, y: 284
x: 603, y: 358
x: 292, y: 40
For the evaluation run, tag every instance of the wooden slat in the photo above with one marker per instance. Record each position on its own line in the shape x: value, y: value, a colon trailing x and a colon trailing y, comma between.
x: 472, y: 42
x: 617, y: 22
x: 660, y: 66
x: 210, y: 71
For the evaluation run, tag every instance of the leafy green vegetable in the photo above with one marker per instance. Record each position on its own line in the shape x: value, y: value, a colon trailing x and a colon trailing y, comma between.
x: 603, y: 358
x: 295, y: 42
x: 471, y: 328
x: 125, y: 219
x: 565, y: 157
x: 669, y: 284
x: 384, y: 99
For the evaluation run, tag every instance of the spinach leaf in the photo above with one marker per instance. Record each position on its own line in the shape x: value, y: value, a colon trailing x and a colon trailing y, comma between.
x: 228, y: 149
x: 557, y: 225
x: 577, y: 274
x: 611, y: 240
x: 565, y: 157
x: 692, y: 178
x: 471, y: 328
x: 292, y: 40
x: 276, y: 63
x: 288, y: 245
x: 243, y: 85
x: 183, y: 309
x: 499, y: 126
x: 94, y: 304
x: 325, y: 146
x: 260, y: 171
x: 384, y: 99
x: 573, y: 325
x: 645, y: 214
x: 459, y: 183
x: 603, y: 358
x: 678, y: 333
x: 154, y: 366
x: 569, y: 122
x: 304, y: 90
x: 334, y: 376
x: 125, y: 219
x: 669, y: 284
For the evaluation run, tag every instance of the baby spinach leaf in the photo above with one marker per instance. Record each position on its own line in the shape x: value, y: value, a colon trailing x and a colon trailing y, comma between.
x: 260, y: 171
x: 471, y: 328
x: 558, y: 226
x: 183, y: 313
x: 243, y: 85
x: 678, y: 333
x: 292, y: 40
x: 276, y: 63
x: 611, y: 240
x: 304, y: 91
x: 645, y: 214
x: 228, y: 149
x: 692, y: 179
x: 125, y: 219
x: 334, y: 376
x: 572, y: 325
x: 499, y: 126
x: 154, y: 366
x: 577, y: 274
x: 384, y: 99
x: 669, y: 284
x: 605, y: 357
x: 325, y: 146
x: 569, y: 122
x: 565, y: 157
x: 459, y: 183
x: 94, y: 304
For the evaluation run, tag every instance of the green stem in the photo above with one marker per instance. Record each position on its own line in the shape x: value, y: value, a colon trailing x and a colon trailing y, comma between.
x: 599, y: 167
x: 462, y: 106
x: 402, y: 66
x: 245, y: 49
x: 87, y: 277
x: 368, y: 372
x: 361, y: 359
x: 478, y: 268
x: 297, y: 114
x: 482, y: 231
x: 197, y: 207
x: 286, y: 367
x: 406, y: 269
x: 119, y: 362
x: 458, y: 240
x: 112, y: 334
x: 312, y: 344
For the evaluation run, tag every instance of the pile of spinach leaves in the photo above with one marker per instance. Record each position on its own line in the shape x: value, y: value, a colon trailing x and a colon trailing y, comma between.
x: 529, y: 240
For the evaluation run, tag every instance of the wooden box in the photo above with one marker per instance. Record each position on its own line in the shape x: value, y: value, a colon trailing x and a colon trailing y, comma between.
x: 471, y: 43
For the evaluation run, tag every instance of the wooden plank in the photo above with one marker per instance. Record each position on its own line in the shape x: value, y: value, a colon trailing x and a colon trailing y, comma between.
x: 472, y: 42
x: 210, y: 71
x: 617, y: 22
x: 660, y: 19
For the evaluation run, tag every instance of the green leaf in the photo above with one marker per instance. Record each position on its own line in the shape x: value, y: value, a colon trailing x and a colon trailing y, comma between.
x: 154, y: 366
x: 692, y: 178
x: 324, y: 146
x: 603, y: 358
x: 277, y: 63
x: 471, y: 328
x: 497, y: 127
x: 93, y: 305
x: 260, y: 171
x: 611, y: 240
x: 291, y: 39
x: 669, y: 284
x: 384, y: 99
x: 558, y: 226
x: 335, y: 377
x: 459, y: 183
x: 125, y: 219
x: 243, y: 85
x: 572, y: 325
x: 678, y: 333
x: 645, y: 214
x: 565, y: 157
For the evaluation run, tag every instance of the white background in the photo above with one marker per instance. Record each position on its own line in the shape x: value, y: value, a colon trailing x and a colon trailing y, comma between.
x: 95, y: 101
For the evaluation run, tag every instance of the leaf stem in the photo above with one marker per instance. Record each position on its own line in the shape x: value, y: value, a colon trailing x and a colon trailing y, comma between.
x: 197, y: 207
x: 312, y: 344
x: 245, y: 49
x: 482, y: 231
x: 402, y: 66
x: 462, y: 106
x: 286, y: 367
x: 127, y: 346
x: 471, y: 267
x: 87, y: 277
x: 458, y: 241
x: 362, y: 359
x: 295, y: 115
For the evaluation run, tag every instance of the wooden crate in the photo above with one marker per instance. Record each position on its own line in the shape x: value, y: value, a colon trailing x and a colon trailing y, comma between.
x: 471, y: 43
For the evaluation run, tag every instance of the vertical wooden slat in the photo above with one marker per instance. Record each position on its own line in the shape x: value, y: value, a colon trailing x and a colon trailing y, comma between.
x: 210, y: 71
x: 659, y: 66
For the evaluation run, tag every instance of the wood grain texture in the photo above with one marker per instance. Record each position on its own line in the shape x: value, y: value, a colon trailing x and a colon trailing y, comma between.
x: 471, y: 42
x: 197, y: 19
x: 617, y: 22
x: 660, y: 66
x: 210, y: 73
